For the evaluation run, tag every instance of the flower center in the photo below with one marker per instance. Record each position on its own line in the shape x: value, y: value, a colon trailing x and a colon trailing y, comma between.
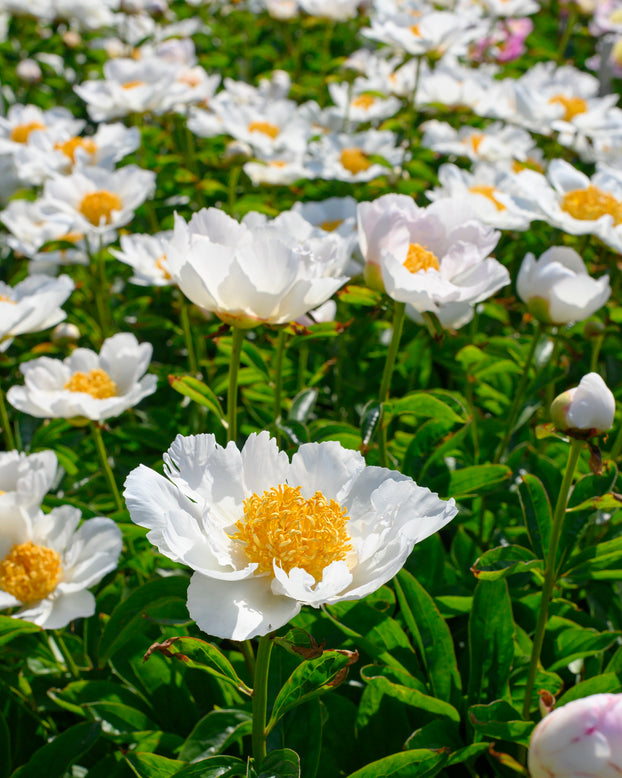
x: 132, y: 84
x: 592, y: 203
x: 161, y: 266
x: 190, y: 78
x: 419, y: 258
x: 363, y: 101
x: 573, y: 106
x: 4, y: 298
x: 416, y: 30
x: 271, y: 130
x: 96, y: 206
x: 529, y: 164
x: 282, y: 526
x: 354, y: 160
x: 71, y: 237
x: 20, y: 132
x: 96, y: 382
x: 69, y: 147
x: 331, y: 226
x: 30, y: 572
x: 476, y: 141
x: 277, y: 163
x: 489, y: 192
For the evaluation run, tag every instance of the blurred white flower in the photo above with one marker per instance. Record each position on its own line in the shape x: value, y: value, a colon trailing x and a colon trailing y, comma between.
x: 265, y: 536
x: 582, y: 739
x: 47, y: 563
x: 86, y: 385
x: 588, y: 408
x: 557, y: 288
x: 25, y: 478
x: 145, y: 254
x: 492, y: 144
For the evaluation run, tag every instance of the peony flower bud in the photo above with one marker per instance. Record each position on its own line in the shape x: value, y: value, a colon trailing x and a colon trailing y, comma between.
x: 582, y: 738
x: 587, y: 408
x: 557, y: 287
x: 28, y: 70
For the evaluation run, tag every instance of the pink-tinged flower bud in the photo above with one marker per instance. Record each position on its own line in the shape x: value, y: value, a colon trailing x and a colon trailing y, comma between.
x: 28, y: 70
x: 587, y: 408
x: 582, y: 738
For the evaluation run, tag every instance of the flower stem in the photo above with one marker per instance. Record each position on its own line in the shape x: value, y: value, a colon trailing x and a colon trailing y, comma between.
x: 617, y: 445
x: 237, y: 335
x: 103, y: 457
x: 385, y: 385
x: 234, y: 177
x: 550, y: 571
x: 184, y: 315
x: 66, y: 654
x: 518, y: 396
x: 7, y: 431
x: 278, y: 383
x: 260, y: 698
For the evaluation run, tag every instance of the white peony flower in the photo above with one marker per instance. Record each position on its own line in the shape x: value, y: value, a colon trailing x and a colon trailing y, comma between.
x: 31, y: 305
x: 145, y: 254
x: 582, y: 739
x: 25, y: 478
x: 588, y: 408
x: 557, y: 287
x: 47, y: 563
x: 86, y: 385
x: 246, y: 276
x: 265, y: 536
x: 429, y: 257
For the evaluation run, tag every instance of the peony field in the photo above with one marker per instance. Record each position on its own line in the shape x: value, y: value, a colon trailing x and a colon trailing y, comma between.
x: 310, y: 386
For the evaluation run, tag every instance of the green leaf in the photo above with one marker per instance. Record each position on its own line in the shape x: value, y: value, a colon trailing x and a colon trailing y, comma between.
x: 310, y: 679
x: 5, y: 748
x: 302, y: 405
x: 198, y: 391
x: 281, y: 763
x: 369, y: 421
x: 200, y: 655
x: 214, y: 767
x: 477, y: 479
x: 130, y: 613
x: 419, y: 763
x: 491, y: 645
x: 501, y: 721
x: 214, y: 733
x: 55, y: 758
x: 504, y: 561
x: 607, y: 683
x: 600, y: 562
x: 11, y: 628
x: 152, y: 765
x: 423, y: 404
x: 537, y: 512
x: 576, y: 643
x: 432, y: 636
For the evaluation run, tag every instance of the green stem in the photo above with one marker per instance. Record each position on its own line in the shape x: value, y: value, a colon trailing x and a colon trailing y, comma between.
x: 246, y: 647
x: 550, y: 387
x: 518, y: 396
x: 550, y: 572
x: 237, y: 335
x: 278, y: 382
x: 303, y: 360
x: 69, y: 661
x: 184, y: 315
x: 103, y: 457
x: 234, y: 177
x: 598, y: 342
x: 7, y: 431
x: 100, y: 291
x: 617, y: 445
x: 260, y: 698
x: 563, y: 44
x: 385, y: 385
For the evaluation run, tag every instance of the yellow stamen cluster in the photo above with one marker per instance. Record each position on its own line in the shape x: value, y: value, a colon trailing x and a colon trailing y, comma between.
x: 132, y: 84
x: 71, y: 237
x: 331, y: 226
x: 354, y: 160
x: 69, y: 147
x: 189, y: 78
x: 419, y: 258
x: 592, y: 203
x: 489, y: 193
x: 159, y: 263
x: 4, y: 298
x: 282, y: 526
x: 573, y: 106
x: 416, y: 30
x: 529, y: 164
x: 30, y: 572
x: 271, y: 130
x: 20, y: 132
x: 96, y: 382
x: 363, y: 101
x: 476, y: 140
x: 96, y: 206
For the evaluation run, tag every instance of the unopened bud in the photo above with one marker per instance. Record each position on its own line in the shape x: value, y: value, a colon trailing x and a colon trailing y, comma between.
x: 588, y: 408
x: 65, y: 331
x: 28, y: 70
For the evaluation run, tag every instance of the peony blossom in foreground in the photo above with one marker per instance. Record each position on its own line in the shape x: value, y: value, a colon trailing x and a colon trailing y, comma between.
x: 587, y: 408
x: 86, y: 385
x: 582, y: 739
x: 266, y: 536
x: 557, y: 287
x: 47, y: 563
